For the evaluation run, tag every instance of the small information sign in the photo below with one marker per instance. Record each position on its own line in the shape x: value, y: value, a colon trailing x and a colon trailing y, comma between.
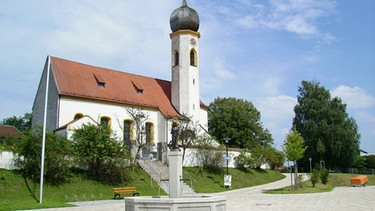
x: 227, y: 180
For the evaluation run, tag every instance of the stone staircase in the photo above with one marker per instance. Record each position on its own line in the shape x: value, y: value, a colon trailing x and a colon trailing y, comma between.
x: 160, y: 174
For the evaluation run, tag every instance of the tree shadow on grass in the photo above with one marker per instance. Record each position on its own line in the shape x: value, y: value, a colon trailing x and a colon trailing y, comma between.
x: 31, y: 190
x: 262, y: 171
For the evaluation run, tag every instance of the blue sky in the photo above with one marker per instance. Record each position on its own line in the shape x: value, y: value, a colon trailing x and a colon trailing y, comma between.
x: 257, y: 50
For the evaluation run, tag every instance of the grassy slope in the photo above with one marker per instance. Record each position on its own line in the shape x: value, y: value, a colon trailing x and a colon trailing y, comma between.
x: 13, y: 189
x: 205, y: 182
x: 334, y: 180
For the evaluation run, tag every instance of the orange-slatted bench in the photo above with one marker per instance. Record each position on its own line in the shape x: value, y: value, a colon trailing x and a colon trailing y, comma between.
x: 359, y: 180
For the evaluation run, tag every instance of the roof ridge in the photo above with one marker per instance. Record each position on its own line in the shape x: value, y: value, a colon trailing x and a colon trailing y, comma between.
x: 119, y: 71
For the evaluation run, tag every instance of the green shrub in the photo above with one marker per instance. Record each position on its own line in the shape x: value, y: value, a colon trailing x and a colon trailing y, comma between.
x: 324, y: 174
x: 243, y: 160
x: 314, y: 177
x: 212, y: 160
x: 104, y: 156
x: 57, y: 157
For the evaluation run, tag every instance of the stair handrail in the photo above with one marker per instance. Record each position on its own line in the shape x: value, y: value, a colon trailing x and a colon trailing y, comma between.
x: 162, y: 180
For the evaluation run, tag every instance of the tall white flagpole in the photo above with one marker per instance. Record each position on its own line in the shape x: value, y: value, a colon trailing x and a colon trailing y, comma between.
x: 44, y: 131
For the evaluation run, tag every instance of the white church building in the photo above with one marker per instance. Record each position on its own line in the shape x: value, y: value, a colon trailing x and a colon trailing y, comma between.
x: 81, y: 93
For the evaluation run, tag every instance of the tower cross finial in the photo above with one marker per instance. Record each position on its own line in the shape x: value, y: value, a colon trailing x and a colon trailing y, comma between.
x: 184, y: 3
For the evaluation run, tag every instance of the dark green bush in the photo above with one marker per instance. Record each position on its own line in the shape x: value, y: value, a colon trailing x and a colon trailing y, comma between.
x: 324, y: 174
x: 314, y: 177
x: 104, y: 156
x: 57, y: 158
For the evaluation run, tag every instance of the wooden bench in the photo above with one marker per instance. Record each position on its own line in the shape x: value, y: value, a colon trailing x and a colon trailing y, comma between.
x: 359, y: 180
x: 127, y: 190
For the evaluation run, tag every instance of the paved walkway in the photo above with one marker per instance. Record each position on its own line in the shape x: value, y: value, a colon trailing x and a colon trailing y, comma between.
x: 342, y: 198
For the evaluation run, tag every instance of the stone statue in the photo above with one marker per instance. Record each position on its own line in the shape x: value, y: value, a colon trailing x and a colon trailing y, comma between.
x: 175, y: 133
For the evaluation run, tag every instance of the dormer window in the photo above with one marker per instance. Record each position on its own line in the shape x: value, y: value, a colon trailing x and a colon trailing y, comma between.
x: 101, y: 85
x: 99, y: 80
x: 137, y: 87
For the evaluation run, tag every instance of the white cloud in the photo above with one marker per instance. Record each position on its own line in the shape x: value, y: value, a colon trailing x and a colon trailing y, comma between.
x: 221, y: 71
x: 366, y: 117
x: 354, y: 97
x: 295, y: 16
x: 277, y: 115
x: 278, y: 107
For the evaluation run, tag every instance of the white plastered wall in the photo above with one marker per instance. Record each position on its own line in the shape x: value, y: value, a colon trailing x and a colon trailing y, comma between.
x: 116, y: 112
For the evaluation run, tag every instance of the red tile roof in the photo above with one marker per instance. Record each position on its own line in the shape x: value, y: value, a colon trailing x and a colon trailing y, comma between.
x: 8, y: 131
x: 90, y: 82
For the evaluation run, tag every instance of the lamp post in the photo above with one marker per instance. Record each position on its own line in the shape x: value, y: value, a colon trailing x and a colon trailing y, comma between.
x: 226, y: 140
x: 310, y: 159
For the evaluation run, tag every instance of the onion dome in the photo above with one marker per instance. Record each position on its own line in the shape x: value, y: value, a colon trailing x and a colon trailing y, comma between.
x: 184, y: 18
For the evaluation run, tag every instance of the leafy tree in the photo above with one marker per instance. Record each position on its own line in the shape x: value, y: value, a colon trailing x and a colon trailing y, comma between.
x: 211, y: 160
x: 267, y: 155
x: 360, y: 163
x: 274, y: 157
x: 105, y: 157
x: 58, y: 152
x: 189, y: 132
x: 239, y: 120
x: 21, y: 123
x: 320, y: 148
x: 243, y: 160
x: 294, y: 149
x: 139, y: 117
x: 370, y: 161
x: 320, y: 117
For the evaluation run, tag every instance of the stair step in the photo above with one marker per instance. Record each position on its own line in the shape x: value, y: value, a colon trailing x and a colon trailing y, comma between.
x: 161, y: 172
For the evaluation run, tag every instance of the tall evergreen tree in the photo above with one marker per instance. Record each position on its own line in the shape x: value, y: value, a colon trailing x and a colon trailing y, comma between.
x: 320, y: 117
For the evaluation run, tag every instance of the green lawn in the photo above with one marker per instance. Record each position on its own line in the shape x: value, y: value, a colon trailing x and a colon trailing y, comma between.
x: 204, y: 182
x: 14, y: 193
x: 335, y: 180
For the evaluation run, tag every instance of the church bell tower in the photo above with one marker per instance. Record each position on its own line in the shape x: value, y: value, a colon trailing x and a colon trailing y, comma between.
x: 184, y: 23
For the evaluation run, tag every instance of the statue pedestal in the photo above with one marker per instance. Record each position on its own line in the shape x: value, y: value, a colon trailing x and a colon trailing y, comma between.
x: 175, y: 173
x: 176, y: 201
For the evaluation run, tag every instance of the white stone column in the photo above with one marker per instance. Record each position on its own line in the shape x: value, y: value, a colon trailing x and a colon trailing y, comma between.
x: 175, y: 173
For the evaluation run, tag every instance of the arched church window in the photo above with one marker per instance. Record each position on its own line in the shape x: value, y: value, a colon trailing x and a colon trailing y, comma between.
x: 105, y: 121
x: 176, y: 58
x: 193, y: 58
x: 78, y: 116
x: 149, y: 133
x: 128, y: 128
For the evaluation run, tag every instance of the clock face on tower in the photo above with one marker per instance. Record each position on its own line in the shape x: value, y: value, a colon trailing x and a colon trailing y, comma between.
x: 193, y: 41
